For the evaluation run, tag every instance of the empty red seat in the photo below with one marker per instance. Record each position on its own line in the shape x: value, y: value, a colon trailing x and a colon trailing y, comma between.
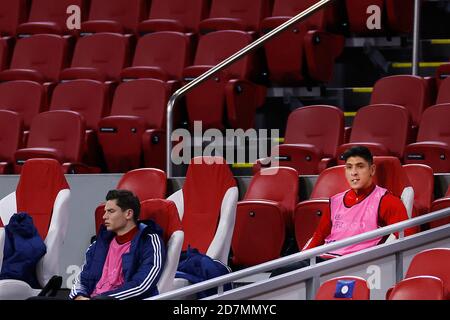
x: 433, y: 140
x: 422, y: 180
x: 100, y: 56
x: 137, y: 181
x: 58, y: 135
x: 49, y: 16
x: 444, y: 91
x: 439, y: 204
x: 264, y: 215
x: 383, y: 128
x: 120, y: 16
x: 397, y: 15
x: 344, y: 288
x: 418, y: 288
x: 133, y: 135
x: 12, y: 13
x: 90, y: 99
x: 11, y: 130
x: 431, y: 262
x: 160, y: 55
x: 235, y: 15
x: 38, y: 58
x: 312, y: 136
x: 230, y: 91
x: 408, y: 91
x: 306, y: 51
x: 13, y: 97
x: 175, y: 15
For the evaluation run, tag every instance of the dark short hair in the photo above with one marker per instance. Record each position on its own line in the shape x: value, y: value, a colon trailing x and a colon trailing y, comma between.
x: 358, y: 151
x: 125, y: 199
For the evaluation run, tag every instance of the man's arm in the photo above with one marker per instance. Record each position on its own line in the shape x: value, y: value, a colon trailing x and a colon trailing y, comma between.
x: 392, y: 211
x: 80, y: 289
x: 322, y: 231
x: 148, y: 273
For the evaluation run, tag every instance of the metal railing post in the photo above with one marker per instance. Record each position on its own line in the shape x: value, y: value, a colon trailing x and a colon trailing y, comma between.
x: 416, y: 38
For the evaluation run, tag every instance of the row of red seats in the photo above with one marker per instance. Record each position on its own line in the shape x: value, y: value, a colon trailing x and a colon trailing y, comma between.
x: 133, y: 16
x: 427, y: 278
x: 402, y: 120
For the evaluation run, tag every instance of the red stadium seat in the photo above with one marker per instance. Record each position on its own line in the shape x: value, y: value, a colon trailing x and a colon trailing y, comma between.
x: 43, y: 193
x: 305, y: 51
x: 312, y: 136
x: 433, y: 141
x: 235, y: 15
x: 444, y: 91
x: 11, y: 130
x: 397, y: 15
x: 90, y: 99
x: 135, y: 130
x: 175, y: 15
x: 344, y: 288
x: 27, y: 105
x: 418, y: 288
x: 408, y: 91
x: 49, y: 17
x: 165, y: 214
x: 431, y: 262
x: 230, y: 90
x: 264, y: 215
x: 422, y: 180
x: 382, y: 128
x: 160, y: 55
x: 38, y: 58
x: 439, y: 204
x: 137, y: 181
x: 58, y: 135
x: 100, y: 56
x: 12, y: 13
x: 118, y: 16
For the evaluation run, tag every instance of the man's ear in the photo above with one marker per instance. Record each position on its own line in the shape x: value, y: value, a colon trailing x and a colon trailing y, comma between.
x: 129, y: 214
x: 373, y: 169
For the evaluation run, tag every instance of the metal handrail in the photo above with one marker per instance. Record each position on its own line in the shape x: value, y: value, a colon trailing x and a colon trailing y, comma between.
x: 308, y: 254
x: 252, y: 46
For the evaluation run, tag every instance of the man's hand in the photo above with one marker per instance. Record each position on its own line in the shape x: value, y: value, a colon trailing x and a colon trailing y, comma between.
x: 82, y: 298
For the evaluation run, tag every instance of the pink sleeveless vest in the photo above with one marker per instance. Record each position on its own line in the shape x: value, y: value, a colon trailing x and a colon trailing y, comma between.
x: 361, y: 217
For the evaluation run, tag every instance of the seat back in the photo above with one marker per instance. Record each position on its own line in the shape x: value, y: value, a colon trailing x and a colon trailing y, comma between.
x: 145, y: 98
x: 128, y: 13
x: 11, y: 126
x: 27, y: 105
x: 167, y: 50
x: 331, y: 181
x: 188, y: 14
x: 248, y: 13
x: 60, y: 130
x: 165, y: 214
x: 432, y: 262
x: 106, y: 52
x: 53, y: 11
x: 208, y: 179
x: 87, y: 97
x: 138, y: 182
x: 12, y: 13
x: 422, y: 180
x: 444, y: 92
x: 320, y: 125
x: 435, y: 124
x: 45, y: 53
x: 344, y: 288
x: 418, y: 288
x: 385, y: 124
x: 403, y: 90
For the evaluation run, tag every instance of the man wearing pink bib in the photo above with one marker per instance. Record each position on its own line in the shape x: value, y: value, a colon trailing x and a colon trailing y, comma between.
x: 362, y: 208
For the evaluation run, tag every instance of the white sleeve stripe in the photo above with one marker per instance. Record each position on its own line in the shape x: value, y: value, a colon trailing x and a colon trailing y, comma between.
x: 157, y: 264
x: 77, y: 285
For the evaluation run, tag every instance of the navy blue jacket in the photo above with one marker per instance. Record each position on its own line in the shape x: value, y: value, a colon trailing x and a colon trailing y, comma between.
x: 141, y: 266
x: 22, y: 251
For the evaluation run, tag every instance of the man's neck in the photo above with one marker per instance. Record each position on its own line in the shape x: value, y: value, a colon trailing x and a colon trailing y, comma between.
x: 125, y: 229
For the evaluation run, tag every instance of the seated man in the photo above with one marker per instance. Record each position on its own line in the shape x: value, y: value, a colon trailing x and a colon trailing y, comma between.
x: 127, y: 258
x: 364, y: 207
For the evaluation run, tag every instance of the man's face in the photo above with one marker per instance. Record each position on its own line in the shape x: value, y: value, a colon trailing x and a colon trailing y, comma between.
x: 359, y: 173
x: 116, y: 219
